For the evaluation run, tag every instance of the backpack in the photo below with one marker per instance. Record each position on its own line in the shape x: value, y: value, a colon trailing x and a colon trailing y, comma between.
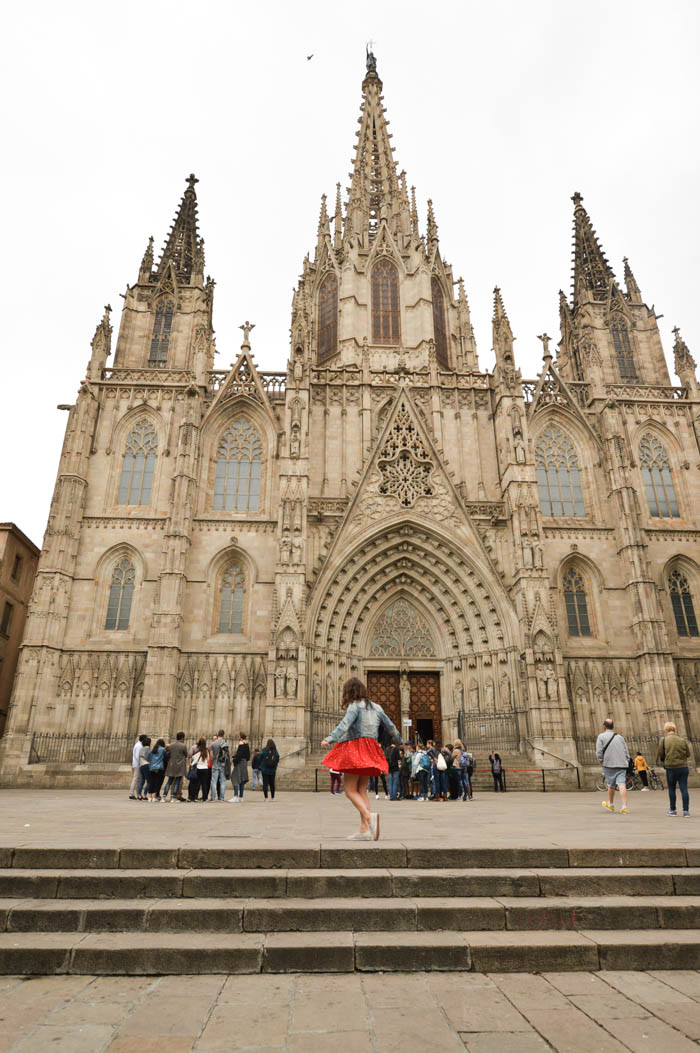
x: 225, y: 760
x: 464, y: 760
x: 441, y: 763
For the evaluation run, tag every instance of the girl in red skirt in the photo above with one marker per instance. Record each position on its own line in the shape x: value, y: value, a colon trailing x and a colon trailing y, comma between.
x: 358, y: 754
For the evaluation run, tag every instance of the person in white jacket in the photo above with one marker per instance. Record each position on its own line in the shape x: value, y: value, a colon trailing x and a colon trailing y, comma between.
x: 135, y: 767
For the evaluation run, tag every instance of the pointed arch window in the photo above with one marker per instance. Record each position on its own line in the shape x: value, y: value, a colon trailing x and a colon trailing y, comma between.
x: 576, y: 604
x: 139, y: 462
x: 623, y: 350
x: 558, y: 475
x: 231, y: 600
x: 385, y: 303
x: 160, y: 340
x: 439, y: 323
x: 328, y: 317
x: 682, y: 603
x: 121, y: 594
x: 238, y: 468
x: 657, y: 478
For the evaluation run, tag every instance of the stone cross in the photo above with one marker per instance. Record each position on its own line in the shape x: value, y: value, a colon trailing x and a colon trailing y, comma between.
x: 247, y: 327
x: 545, y: 343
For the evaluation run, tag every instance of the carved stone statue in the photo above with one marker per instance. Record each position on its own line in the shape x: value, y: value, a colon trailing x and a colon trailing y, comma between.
x: 285, y: 548
x: 541, y: 682
x: 473, y: 695
x: 490, y: 696
x: 506, y: 700
x: 405, y: 689
x: 297, y: 549
x: 295, y: 442
x: 316, y: 690
x: 551, y: 682
x: 291, y: 681
x: 280, y: 679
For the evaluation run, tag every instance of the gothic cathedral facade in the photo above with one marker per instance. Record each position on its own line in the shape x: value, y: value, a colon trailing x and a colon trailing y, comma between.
x: 508, y: 559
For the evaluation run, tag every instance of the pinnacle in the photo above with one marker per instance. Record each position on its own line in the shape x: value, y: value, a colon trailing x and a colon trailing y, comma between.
x: 633, y: 290
x: 182, y: 243
x: 592, y: 272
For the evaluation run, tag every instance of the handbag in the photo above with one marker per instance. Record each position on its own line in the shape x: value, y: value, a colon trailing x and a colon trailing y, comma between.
x: 441, y: 763
x: 191, y: 772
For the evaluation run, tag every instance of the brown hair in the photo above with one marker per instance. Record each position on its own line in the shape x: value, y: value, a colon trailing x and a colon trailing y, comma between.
x: 354, y: 691
x: 202, y: 748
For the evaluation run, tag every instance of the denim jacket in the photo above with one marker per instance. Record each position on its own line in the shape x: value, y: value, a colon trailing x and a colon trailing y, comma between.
x: 362, y: 722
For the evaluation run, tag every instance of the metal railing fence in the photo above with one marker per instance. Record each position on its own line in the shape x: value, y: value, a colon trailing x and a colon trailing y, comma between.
x: 65, y: 748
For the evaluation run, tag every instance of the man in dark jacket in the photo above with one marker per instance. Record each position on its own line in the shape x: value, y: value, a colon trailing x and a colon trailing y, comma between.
x: 393, y: 756
x: 177, y: 767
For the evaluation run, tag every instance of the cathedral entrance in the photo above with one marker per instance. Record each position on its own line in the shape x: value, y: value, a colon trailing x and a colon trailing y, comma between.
x: 424, y: 710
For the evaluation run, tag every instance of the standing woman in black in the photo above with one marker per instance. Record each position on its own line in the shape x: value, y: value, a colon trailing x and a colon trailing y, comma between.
x: 269, y: 758
x: 239, y: 774
x: 497, y: 772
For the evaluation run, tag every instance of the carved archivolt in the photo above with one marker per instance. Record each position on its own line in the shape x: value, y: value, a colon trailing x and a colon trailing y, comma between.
x: 401, y: 632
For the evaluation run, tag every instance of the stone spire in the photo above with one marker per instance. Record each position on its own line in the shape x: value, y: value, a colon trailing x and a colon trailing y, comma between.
x: 324, y: 226
x: 146, y: 267
x: 502, y: 332
x: 375, y: 194
x: 633, y: 291
x: 684, y: 363
x: 182, y: 244
x: 101, y: 345
x: 432, y: 227
x: 414, y: 214
x: 592, y: 272
x: 338, y: 219
x: 466, y: 333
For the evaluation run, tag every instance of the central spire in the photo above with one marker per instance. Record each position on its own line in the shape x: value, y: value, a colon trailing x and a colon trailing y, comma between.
x: 375, y: 194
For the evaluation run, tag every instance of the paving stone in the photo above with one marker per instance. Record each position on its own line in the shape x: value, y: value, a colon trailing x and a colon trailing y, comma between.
x: 340, y: 1010
x: 119, y: 884
x: 228, y: 1028
x: 459, y: 913
x: 575, y: 983
x: 482, y: 1010
x: 291, y: 952
x: 571, y: 1031
x: 141, y: 1044
x: 413, y: 1027
x: 387, y: 991
x: 316, y: 884
x: 531, y: 951
x: 504, y: 1042
x: 168, y: 1016
x: 257, y: 989
x: 65, y: 1039
x: 244, y: 857
x: 627, y: 857
x: 469, y: 882
x: 239, y: 883
x: 77, y: 1014
x: 609, y: 1004
x: 65, y: 858
x: 528, y: 992
x: 411, y: 951
x: 28, y: 883
x: 687, y: 1020
x: 647, y: 949
x: 437, y: 856
x: 148, y: 953
x: 114, y: 988
x: 340, y: 915
x: 595, y: 912
x: 614, y: 882
x: 196, y: 915
x: 138, y: 858
x: 646, y: 1034
x: 331, y: 1042
x: 361, y: 855
x: 683, y: 981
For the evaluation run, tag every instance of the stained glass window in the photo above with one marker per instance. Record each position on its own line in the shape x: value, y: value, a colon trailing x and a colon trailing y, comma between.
x: 162, y: 327
x: 558, y: 475
x: 576, y: 604
x: 658, y: 481
x: 439, y: 326
x: 138, y: 466
x: 231, y: 601
x: 682, y: 603
x: 121, y: 593
x: 385, y: 303
x: 401, y: 631
x: 623, y: 350
x: 328, y: 317
x: 238, y: 468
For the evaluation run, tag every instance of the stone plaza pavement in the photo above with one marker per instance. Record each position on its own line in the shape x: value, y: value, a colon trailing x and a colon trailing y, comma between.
x: 571, y: 1012
x: 78, y: 818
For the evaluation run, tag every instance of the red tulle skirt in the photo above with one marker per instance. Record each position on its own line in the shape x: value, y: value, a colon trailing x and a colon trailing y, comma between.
x: 357, y: 757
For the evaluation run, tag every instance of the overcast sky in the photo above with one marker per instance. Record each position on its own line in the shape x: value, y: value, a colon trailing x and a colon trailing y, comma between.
x: 499, y: 111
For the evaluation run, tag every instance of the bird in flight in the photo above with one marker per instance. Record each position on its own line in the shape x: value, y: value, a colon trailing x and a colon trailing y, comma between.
x: 308, y: 58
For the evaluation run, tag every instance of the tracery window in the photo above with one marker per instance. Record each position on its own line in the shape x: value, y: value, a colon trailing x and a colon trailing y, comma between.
x: 121, y: 593
x: 576, y: 604
x: 439, y: 324
x: 328, y: 317
x: 401, y: 632
x: 558, y: 475
x: 160, y: 340
x: 404, y: 463
x: 385, y: 303
x: 623, y: 350
x: 657, y: 478
x: 231, y: 600
x: 138, y: 466
x: 238, y: 468
x: 682, y: 603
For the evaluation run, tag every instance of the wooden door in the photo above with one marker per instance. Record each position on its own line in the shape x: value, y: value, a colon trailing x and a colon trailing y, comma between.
x: 384, y: 689
x: 425, y: 702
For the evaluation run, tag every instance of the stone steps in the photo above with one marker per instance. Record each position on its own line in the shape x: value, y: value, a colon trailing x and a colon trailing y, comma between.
x: 339, y: 906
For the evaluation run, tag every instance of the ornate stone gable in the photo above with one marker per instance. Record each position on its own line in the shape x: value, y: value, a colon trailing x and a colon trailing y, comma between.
x: 404, y: 464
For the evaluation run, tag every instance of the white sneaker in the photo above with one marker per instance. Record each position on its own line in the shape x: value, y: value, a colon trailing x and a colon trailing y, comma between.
x: 376, y: 796
x: 232, y: 800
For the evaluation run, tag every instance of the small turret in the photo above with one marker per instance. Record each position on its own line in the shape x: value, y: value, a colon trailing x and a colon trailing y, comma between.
x: 432, y: 228
x: 633, y: 291
x: 684, y: 363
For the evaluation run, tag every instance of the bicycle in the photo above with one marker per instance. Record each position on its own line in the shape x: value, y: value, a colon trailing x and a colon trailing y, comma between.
x: 655, y: 781
x: 632, y: 782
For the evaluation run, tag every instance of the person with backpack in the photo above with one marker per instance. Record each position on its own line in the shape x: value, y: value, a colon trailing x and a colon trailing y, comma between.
x: 440, y: 766
x: 393, y: 758
x: 406, y: 769
x: 220, y: 766
x: 357, y: 751
x: 497, y: 772
x: 613, y: 756
x: 673, y: 754
x: 157, y: 758
x: 268, y: 760
x: 421, y: 771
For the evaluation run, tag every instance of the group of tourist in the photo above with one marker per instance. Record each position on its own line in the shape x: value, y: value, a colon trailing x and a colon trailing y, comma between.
x: 614, y: 757
x: 205, y: 767
x: 422, y: 773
